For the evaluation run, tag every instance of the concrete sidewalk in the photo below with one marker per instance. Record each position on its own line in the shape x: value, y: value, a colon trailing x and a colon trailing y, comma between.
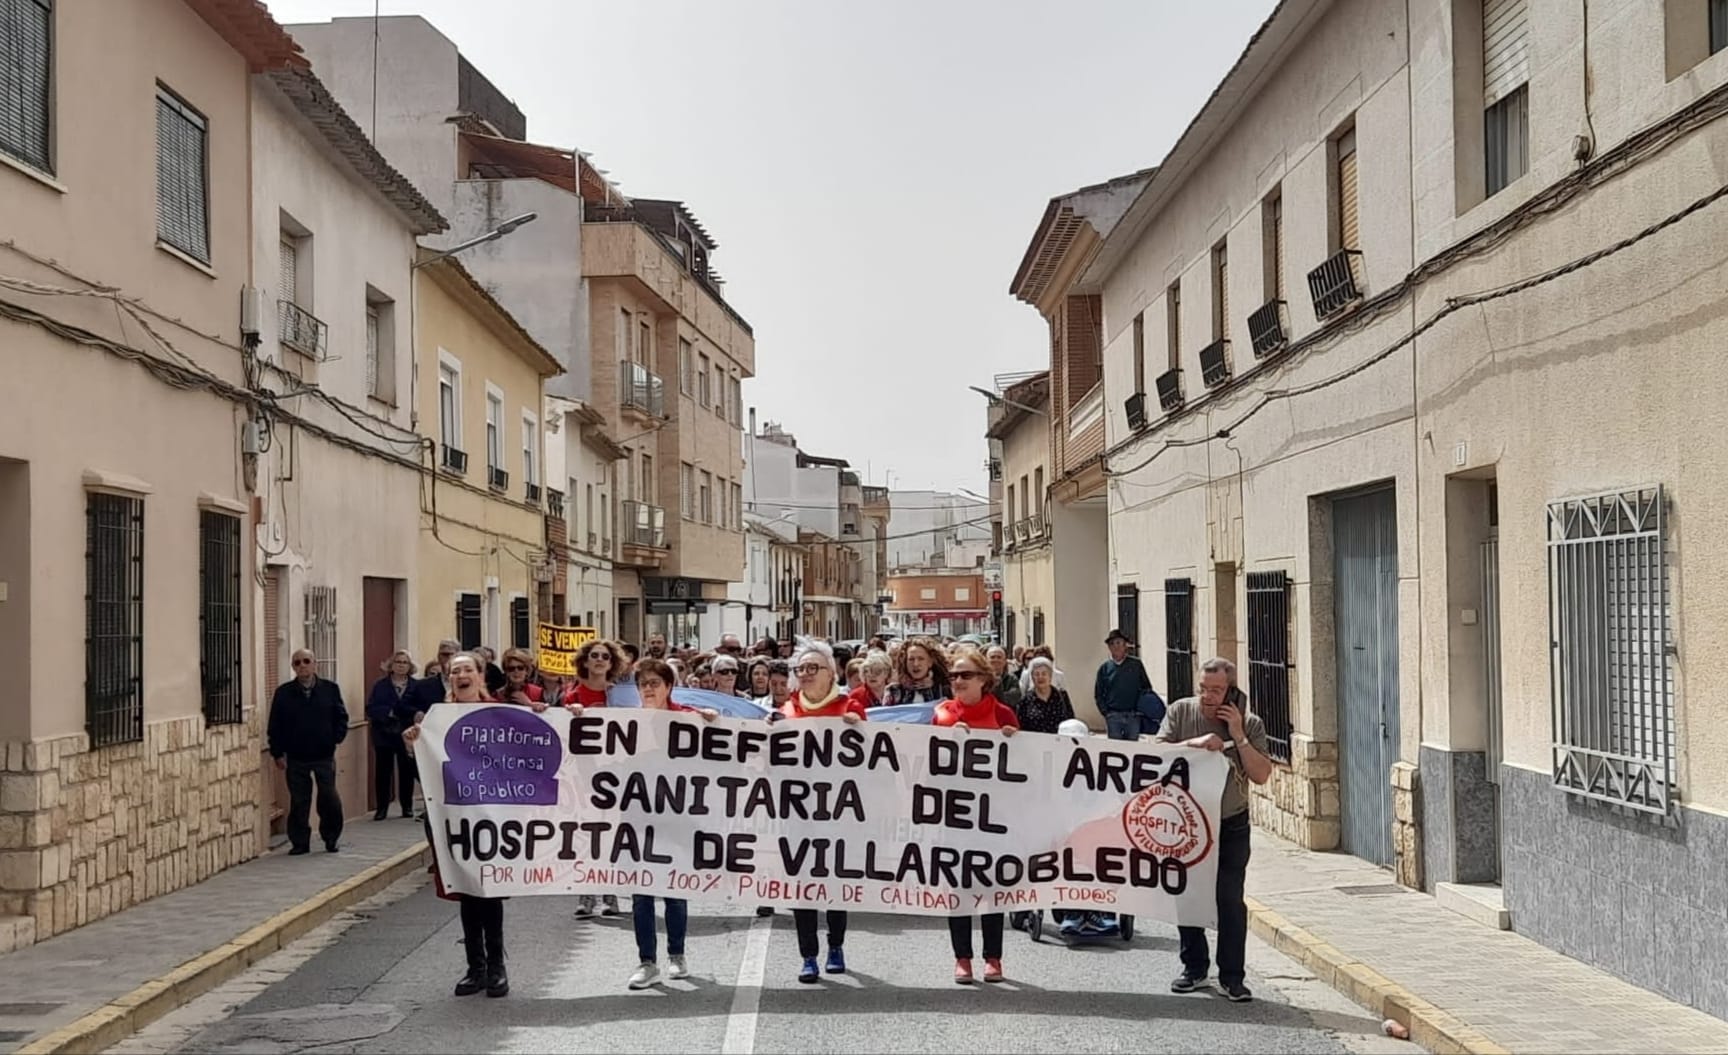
x: 87, y: 988
x: 1460, y: 985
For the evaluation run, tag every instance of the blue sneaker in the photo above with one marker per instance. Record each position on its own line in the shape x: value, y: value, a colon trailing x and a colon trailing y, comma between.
x: 836, y: 961
x: 1071, y: 926
x: 809, y: 975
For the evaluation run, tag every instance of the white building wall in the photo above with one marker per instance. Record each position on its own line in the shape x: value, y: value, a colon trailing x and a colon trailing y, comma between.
x: 922, y: 525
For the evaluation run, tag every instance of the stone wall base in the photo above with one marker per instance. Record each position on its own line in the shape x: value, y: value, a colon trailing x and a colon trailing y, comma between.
x: 1406, y: 826
x: 86, y: 833
x: 1300, y: 802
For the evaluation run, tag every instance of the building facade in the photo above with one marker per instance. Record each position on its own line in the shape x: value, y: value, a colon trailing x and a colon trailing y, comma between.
x: 132, y: 733
x: 947, y: 602
x: 481, y: 546
x: 1019, y: 433
x: 1421, y: 295
x: 936, y: 528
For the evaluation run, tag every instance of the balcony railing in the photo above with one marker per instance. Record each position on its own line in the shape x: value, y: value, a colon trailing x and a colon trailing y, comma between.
x: 1169, y: 385
x: 497, y: 478
x: 1266, y: 329
x: 641, y: 388
x: 1333, y: 284
x: 301, y: 330
x: 1215, y: 363
x: 1135, y: 407
x: 555, y: 502
x: 454, y: 460
x: 644, y: 525
x: 531, y: 494
x: 1034, y: 528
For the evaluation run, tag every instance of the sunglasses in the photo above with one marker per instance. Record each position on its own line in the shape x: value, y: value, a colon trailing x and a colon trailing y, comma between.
x: 303, y: 662
x: 592, y: 656
x: 964, y: 675
x: 514, y: 666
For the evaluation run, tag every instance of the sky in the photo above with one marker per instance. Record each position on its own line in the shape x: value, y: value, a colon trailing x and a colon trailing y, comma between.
x: 872, y: 172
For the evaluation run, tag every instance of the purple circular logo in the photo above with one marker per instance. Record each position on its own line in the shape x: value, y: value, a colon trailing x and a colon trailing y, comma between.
x: 501, y: 756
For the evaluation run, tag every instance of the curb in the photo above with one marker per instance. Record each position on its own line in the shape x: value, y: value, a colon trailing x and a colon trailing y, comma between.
x: 115, y: 1021
x: 1429, y: 1026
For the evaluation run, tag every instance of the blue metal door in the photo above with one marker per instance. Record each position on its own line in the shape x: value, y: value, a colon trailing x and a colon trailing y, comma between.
x: 1365, y: 599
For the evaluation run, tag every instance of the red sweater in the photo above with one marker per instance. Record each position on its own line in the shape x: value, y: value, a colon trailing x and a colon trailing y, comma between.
x: 842, y: 705
x: 585, y: 696
x: 987, y: 713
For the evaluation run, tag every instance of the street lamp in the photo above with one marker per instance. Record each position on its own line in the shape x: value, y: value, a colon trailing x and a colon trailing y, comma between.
x: 490, y: 236
x: 994, y: 398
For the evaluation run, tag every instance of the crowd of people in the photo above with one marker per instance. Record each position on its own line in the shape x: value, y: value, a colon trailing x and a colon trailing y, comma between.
x: 966, y: 685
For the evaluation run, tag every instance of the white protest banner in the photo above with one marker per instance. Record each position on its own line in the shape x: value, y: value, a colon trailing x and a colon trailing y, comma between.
x: 816, y: 813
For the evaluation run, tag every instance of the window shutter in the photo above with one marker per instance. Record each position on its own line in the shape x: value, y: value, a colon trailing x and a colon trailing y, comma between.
x: 1223, y: 295
x: 1278, y: 248
x: 1505, y: 48
x: 182, y: 219
x: 288, y: 271
x: 1348, y: 230
x: 25, y: 62
x: 371, y: 350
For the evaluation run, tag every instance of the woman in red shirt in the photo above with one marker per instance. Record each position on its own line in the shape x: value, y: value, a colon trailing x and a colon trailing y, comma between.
x: 819, y: 695
x: 482, y: 917
x: 975, y: 707
x: 518, y: 664
x: 598, y: 664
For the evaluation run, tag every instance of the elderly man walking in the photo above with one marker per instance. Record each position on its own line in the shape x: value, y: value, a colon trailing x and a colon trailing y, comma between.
x: 307, y: 721
x: 1218, y: 720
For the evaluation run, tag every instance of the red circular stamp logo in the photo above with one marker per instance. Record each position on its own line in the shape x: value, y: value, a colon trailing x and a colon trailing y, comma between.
x: 1166, y: 820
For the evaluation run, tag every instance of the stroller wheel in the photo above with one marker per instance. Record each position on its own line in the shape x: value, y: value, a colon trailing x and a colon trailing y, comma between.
x: 1035, y: 926
x: 1125, y: 927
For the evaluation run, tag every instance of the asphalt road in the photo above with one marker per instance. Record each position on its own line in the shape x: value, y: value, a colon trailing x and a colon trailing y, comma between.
x: 379, y: 980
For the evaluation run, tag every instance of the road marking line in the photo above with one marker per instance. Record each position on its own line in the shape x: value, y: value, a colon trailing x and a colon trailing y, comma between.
x: 747, y: 990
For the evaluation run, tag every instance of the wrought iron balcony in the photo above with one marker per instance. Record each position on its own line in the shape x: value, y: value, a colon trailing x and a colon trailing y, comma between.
x: 644, y: 525
x: 454, y: 460
x: 1135, y: 406
x: 1333, y: 284
x: 497, y: 478
x: 1266, y: 329
x: 1170, y: 395
x: 531, y: 494
x: 640, y: 388
x: 1215, y: 363
x: 555, y: 502
x: 301, y: 330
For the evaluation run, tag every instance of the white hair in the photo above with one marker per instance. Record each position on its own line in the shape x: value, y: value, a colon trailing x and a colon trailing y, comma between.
x: 877, y: 662
x: 809, y: 646
x: 1057, y: 679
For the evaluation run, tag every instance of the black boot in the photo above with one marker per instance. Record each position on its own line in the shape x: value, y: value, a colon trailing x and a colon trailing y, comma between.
x: 497, y: 981
x: 477, y: 977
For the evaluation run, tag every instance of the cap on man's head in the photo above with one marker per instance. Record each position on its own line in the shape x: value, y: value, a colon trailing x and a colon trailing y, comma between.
x: 1118, y: 635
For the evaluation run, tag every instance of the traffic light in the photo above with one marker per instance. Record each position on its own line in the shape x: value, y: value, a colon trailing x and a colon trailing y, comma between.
x: 996, y: 612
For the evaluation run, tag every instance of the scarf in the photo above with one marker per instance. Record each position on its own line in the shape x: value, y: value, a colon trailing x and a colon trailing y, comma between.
x: 808, y: 707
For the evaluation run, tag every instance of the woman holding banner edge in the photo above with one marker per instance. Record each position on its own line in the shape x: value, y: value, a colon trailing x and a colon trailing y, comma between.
x: 973, y: 706
x: 599, y: 663
x: 819, y: 695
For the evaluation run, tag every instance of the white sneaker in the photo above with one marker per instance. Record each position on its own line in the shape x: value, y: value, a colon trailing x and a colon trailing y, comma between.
x: 584, y: 906
x: 609, y: 905
x: 646, y: 975
x: 676, y: 968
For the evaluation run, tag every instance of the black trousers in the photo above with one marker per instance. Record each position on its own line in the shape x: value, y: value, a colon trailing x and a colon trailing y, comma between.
x: 960, y: 934
x: 483, y: 932
x: 805, y: 920
x: 1233, y: 848
x: 393, y: 774
x: 301, y: 774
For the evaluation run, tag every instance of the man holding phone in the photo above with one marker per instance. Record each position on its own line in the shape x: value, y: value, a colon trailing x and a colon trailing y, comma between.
x: 1218, y: 720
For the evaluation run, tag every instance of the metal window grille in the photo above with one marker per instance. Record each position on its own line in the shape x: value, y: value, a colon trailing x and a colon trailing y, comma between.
x: 182, y: 198
x: 219, y: 616
x: 468, y: 620
x: 641, y: 388
x: 1610, y: 639
x: 26, y: 72
x: 114, y: 619
x: 1269, y: 656
x: 1178, y: 639
x: 519, y: 628
x: 321, y: 628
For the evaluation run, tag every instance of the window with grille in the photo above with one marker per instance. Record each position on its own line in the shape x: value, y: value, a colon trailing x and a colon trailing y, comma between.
x: 182, y: 177
x: 321, y: 628
x: 468, y: 620
x: 1611, y: 641
x: 519, y: 628
x: 113, y: 619
x: 1269, y: 657
x: 219, y: 616
x: 1178, y: 639
x: 26, y: 76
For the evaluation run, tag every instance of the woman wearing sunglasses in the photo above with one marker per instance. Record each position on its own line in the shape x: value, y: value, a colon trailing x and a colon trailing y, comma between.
x: 599, y: 663
x: 974, y: 706
x: 482, y: 917
x: 519, y: 686
x: 819, y: 695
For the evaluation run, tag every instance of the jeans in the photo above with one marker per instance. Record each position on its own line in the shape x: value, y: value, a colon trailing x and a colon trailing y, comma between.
x: 1122, y: 725
x: 1233, y: 850
x: 392, y: 776
x: 483, y: 933
x: 805, y: 920
x: 677, y: 920
x: 960, y: 935
x: 300, y: 776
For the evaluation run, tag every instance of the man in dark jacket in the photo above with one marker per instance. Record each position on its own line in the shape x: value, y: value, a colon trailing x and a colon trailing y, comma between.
x: 434, y: 688
x: 307, y: 721
x: 1121, y: 682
